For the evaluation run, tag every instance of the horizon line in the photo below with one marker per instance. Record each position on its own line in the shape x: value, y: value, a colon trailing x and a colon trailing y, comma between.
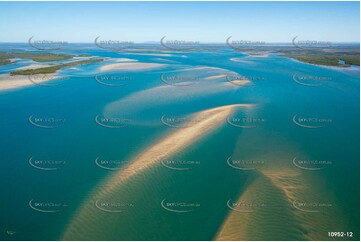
x: 158, y: 42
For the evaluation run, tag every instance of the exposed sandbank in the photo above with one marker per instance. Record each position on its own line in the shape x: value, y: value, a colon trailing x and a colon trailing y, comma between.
x: 133, y: 66
x: 202, y: 123
x: 8, y: 82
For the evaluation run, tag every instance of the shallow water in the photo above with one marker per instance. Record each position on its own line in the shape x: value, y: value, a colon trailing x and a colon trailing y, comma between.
x: 268, y: 138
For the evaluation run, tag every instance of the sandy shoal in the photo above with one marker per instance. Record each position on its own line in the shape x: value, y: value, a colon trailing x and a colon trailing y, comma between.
x: 8, y: 82
x: 201, y: 124
x: 134, y: 66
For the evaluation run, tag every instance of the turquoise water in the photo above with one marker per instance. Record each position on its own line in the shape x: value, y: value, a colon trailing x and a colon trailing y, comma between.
x: 275, y: 140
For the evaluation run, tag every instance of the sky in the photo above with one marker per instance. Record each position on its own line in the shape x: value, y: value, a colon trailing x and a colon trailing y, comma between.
x: 82, y: 22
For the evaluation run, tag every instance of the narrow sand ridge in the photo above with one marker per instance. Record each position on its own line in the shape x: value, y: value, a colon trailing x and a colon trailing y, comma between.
x: 123, y: 59
x: 85, y: 224
x: 242, y: 60
x: 216, y: 77
x: 151, y: 54
x: 265, y: 55
x: 243, y: 82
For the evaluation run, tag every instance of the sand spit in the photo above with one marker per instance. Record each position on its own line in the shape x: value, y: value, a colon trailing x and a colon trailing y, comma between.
x: 84, y: 224
x: 8, y: 82
x: 34, y: 66
x: 134, y: 66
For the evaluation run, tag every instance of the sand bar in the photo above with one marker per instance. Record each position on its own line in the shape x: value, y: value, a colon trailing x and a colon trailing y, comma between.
x: 134, y: 66
x: 215, y: 77
x: 202, y: 123
x: 8, y: 82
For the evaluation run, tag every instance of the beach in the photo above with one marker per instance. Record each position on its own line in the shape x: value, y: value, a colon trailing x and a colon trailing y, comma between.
x: 8, y: 82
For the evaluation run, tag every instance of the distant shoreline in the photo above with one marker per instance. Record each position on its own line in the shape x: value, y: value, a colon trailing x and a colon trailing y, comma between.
x: 320, y: 65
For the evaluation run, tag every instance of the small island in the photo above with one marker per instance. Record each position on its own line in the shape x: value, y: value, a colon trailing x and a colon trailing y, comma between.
x: 46, y: 71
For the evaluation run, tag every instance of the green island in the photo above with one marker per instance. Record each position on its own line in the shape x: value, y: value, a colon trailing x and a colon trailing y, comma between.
x: 53, y: 69
x: 5, y: 61
x: 38, y: 57
x: 328, y: 59
x: 341, y: 55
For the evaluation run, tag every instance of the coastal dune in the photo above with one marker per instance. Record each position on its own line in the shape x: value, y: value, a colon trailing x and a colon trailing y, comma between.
x: 85, y: 223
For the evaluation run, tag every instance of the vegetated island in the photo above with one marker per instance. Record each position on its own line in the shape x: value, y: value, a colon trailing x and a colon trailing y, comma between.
x: 53, y: 69
x: 5, y: 61
x: 38, y: 57
x: 327, y: 59
x: 341, y: 55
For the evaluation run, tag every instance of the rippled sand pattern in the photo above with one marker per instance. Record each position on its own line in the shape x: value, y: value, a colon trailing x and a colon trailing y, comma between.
x: 279, y: 186
x: 85, y: 224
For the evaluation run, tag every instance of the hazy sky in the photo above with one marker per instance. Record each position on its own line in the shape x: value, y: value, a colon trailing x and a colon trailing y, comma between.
x: 202, y: 21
